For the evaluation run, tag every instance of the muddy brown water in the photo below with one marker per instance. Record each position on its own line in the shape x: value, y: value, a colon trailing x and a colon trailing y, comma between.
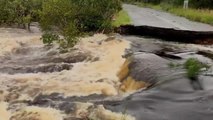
x: 35, y: 59
x: 129, y: 75
x: 40, y: 82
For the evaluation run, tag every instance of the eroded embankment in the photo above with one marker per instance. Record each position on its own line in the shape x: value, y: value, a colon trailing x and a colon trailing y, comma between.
x: 30, y: 71
x: 129, y: 82
x: 186, y: 36
x: 170, y: 95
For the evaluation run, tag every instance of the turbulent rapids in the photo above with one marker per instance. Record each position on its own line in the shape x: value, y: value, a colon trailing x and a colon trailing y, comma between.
x: 29, y: 69
x: 101, y: 78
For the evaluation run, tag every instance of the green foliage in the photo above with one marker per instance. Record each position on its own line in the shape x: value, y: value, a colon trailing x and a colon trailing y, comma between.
x: 199, y: 15
x: 201, y: 3
x: 122, y: 18
x: 68, y: 19
x: 205, y: 16
x: 49, y: 38
x: 74, y: 18
x: 193, y: 67
x: 192, y: 3
x: 19, y: 12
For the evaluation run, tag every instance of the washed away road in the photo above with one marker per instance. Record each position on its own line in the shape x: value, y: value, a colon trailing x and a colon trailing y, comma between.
x: 174, y: 96
x: 125, y: 74
x: 149, y: 17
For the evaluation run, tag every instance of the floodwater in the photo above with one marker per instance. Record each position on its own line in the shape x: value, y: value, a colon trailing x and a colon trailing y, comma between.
x: 170, y: 94
x: 101, y: 78
x: 29, y: 69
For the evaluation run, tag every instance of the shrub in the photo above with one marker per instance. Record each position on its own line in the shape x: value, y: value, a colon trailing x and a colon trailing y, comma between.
x: 19, y: 12
x: 68, y: 19
x: 193, y: 67
x: 74, y: 18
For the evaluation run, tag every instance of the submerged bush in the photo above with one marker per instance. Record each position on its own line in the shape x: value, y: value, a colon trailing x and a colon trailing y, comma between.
x: 193, y: 67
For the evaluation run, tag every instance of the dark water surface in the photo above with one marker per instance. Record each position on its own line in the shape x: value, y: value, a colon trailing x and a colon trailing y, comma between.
x: 174, y: 96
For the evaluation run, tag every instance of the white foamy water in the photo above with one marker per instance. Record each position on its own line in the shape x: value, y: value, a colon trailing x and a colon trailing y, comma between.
x: 11, y: 39
x: 98, y: 76
x: 84, y: 76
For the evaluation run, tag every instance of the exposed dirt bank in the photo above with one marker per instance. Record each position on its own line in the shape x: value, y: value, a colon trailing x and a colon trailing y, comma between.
x: 170, y: 34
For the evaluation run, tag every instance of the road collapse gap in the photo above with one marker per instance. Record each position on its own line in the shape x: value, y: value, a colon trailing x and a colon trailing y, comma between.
x: 169, y: 34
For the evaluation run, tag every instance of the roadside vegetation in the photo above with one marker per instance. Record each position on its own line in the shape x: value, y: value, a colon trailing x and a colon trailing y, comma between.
x: 73, y: 18
x: 62, y: 21
x: 122, y: 18
x: 200, y: 11
x: 19, y: 13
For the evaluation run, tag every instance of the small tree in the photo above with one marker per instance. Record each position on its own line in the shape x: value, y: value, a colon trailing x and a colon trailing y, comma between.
x: 74, y: 18
x: 19, y: 12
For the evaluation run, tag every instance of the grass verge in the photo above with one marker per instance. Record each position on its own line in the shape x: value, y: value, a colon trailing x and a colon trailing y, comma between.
x: 122, y: 18
x: 199, y: 15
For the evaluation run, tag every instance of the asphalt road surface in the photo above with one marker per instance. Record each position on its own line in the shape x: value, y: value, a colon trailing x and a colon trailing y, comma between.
x: 149, y: 17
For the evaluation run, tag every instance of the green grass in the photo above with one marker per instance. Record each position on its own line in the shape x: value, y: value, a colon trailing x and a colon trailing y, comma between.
x: 205, y: 16
x: 199, y: 15
x: 193, y: 67
x: 122, y: 18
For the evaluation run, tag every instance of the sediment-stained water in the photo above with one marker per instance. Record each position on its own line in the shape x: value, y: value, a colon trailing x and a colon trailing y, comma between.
x: 101, y: 78
x: 28, y: 69
x: 100, y: 64
x: 4, y: 114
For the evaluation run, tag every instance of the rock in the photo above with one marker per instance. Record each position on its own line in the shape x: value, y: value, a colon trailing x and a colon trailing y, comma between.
x: 171, y: 95
x: 142, y: 70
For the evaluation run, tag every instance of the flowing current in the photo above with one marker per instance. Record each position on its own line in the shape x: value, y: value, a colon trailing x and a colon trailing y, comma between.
x: 28, y: 69
x: 42, y: 83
